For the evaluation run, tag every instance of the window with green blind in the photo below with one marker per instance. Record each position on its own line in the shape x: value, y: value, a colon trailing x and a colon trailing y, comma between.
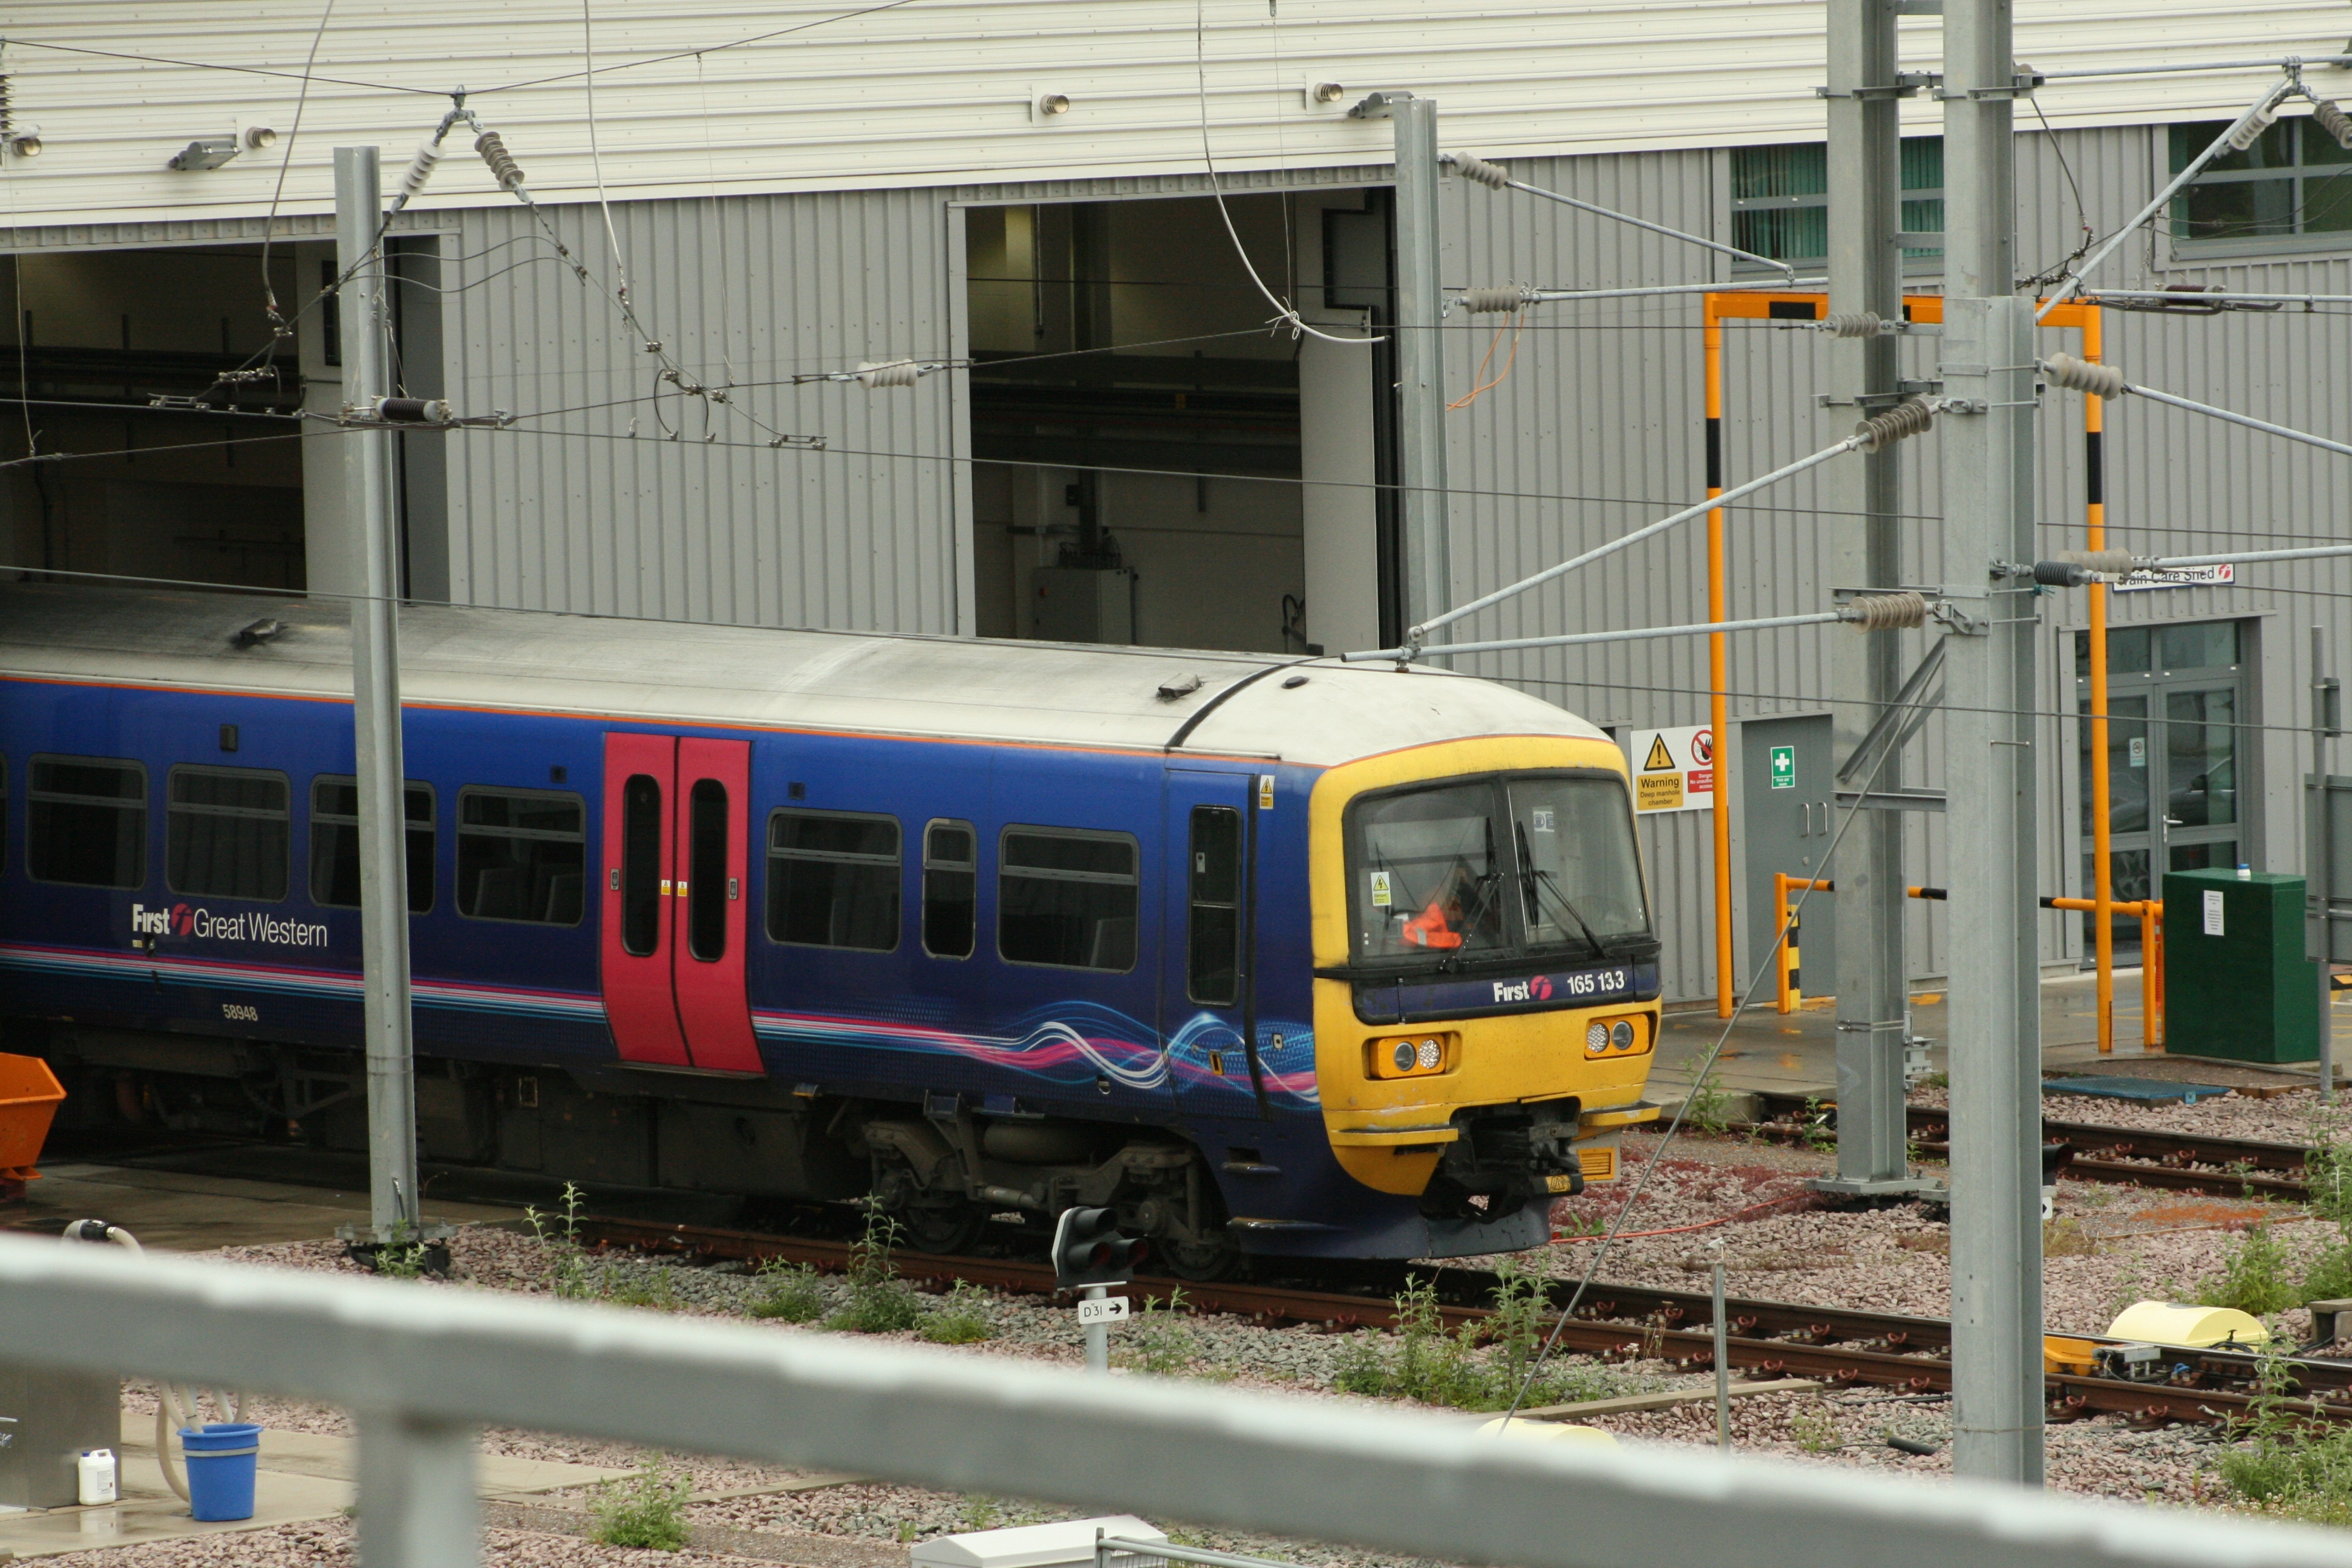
x: 2291, y: 181
x: 1780, y: 203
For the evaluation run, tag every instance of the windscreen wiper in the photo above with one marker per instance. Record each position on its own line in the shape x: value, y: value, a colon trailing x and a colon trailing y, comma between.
x: 1534, y: 877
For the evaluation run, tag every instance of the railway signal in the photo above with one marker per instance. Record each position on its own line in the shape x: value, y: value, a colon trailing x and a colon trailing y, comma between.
x: 1089, y: 1250
x: 1091, y: 1255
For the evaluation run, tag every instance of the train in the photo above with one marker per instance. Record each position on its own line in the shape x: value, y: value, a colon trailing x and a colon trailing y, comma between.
x: 1274, y: 957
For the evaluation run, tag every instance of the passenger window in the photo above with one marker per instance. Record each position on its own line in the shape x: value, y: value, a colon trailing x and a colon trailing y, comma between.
x: 1212, y: 971
x: 335, y: 843
x: 641, y: 891
x: 1066, y: 896
x: 521, y: 856
x: 86, y: 822
x: 833, y: 880
x: 3, y: 814
x: 227, y: 832
x: 705, y: 903
x: 951, y: 880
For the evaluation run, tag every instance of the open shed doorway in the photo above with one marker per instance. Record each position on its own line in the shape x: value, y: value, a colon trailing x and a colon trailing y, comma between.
x: 173, y: 412
x: 1154, y: 464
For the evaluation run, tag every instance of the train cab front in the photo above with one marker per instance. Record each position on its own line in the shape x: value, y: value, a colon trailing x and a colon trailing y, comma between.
x: 1486, y: 993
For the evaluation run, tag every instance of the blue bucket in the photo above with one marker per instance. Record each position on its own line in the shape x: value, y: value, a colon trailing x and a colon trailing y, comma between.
x: 221, y: 1459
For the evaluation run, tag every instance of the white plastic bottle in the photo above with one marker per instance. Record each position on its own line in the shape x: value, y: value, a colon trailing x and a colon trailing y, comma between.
x: 95, y: 1472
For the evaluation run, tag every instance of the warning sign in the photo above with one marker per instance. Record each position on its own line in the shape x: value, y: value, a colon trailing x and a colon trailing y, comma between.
x: 1674, y: 770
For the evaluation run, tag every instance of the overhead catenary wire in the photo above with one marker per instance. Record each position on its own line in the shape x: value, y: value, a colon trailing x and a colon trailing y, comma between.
x: 1903, y: 420
x: 1611, y: 684
x: 1287, y: 315
x: 2266, y: 105
x: 1698, y: 1074
x: 286, y: 159
x: 1497, y: 177
x: 1872, y: 612
x: 2107, y: 381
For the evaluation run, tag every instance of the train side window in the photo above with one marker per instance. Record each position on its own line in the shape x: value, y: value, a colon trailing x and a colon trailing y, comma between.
x: 335, y: 843
x: 1066, y: 896
x: 227, y: 832
x: 3, y: 814
x: 951, y: 880
x: 1212, y: 969
x: 522, y: 854
x: 833, y: 880
x: 86, y: 822
x: 705, y: 903
x: 641, y: 889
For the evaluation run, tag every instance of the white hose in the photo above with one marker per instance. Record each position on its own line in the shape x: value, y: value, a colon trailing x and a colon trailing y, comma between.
x: 175, y: 1406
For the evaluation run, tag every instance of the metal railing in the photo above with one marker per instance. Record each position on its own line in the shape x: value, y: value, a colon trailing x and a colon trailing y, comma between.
x: 1788, y: 982
x: 422, y: 1367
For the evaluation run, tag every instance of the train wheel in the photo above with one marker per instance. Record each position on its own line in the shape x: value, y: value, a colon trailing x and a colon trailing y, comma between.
x: 1219, y: 1259
x: 946, y: 1226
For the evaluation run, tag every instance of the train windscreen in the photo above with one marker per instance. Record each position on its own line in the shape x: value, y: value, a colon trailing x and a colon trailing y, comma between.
x: 1534, y: 864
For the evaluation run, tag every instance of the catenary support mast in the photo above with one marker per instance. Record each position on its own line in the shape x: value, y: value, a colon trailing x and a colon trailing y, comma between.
x: 1995, y: 1027
x: 1421, y: 361
x: 1866, y: 273
x: 375, y: 694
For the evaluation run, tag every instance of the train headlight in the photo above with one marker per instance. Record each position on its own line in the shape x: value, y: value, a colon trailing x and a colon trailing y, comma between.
x: 1616, y: 1038
x: 1414, y: 1055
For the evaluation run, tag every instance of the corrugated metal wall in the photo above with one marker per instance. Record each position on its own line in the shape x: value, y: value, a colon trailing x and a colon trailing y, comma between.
x: 838, y: 97
x: 1597, y: 430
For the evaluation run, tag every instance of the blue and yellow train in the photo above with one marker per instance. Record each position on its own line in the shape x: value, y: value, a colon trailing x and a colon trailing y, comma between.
x: 1282, y: 958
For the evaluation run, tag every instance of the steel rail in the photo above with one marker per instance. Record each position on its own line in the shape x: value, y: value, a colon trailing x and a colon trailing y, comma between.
x: 1843, y: 1346
x: 422, y: 1368
x: 2136, y: 1156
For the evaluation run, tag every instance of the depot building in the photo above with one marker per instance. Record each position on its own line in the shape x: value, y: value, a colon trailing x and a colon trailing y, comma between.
x: 1101, y: 438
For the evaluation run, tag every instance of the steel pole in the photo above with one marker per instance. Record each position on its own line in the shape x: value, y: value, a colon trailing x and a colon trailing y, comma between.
x: 1722, y: 1361
x: 1420, y: 362
x: 417, y: 1487
x: 1098, y: 1334
x: 2322, y: 838
x: 1988, y: 486
x: 2103, y: 811
x: 375, y: 711
x: 1866, y: 273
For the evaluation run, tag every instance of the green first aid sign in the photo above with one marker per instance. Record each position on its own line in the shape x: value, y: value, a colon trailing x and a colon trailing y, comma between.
x: 1784, y: 767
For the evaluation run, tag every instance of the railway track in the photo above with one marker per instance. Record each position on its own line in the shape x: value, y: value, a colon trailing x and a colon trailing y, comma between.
x: 2182, y: 1162
x: 1840, y: 1346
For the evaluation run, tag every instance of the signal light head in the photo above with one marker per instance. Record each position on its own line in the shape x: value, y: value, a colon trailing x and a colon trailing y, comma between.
x: 1089, y: 1250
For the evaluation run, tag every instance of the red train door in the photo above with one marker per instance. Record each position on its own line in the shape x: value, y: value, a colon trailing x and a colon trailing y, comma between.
x: 640, y: 1002
x: 713, y: 817
x: 676, y: 816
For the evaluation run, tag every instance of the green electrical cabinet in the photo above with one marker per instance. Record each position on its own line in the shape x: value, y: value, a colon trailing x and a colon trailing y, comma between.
x: 2236, y: 983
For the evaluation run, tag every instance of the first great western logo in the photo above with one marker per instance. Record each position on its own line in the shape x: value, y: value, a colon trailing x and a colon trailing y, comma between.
x: 200, y: 924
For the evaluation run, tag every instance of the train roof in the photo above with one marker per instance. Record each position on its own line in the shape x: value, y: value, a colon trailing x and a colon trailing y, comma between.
x: 1079, y: 695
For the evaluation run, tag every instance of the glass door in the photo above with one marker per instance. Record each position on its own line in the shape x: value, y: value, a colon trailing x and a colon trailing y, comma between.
x: 2174, y: 705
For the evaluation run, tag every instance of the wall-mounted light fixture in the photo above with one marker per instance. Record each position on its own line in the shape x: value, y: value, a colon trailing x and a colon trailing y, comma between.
x: 1045, y: 108
x: 1322, y: 95
x: 21, y: 141
x: 1380, y: 105
x: 259, y: 138
x: 210, y: 153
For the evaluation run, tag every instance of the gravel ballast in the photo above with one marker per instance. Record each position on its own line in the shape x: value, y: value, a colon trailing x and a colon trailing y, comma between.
x: 2119, y: 1245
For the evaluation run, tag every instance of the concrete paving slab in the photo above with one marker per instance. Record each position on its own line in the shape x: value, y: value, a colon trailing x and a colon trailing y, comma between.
x: 180, y: 1211
x: 1796, y: 1053
x: 299, y: 1476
